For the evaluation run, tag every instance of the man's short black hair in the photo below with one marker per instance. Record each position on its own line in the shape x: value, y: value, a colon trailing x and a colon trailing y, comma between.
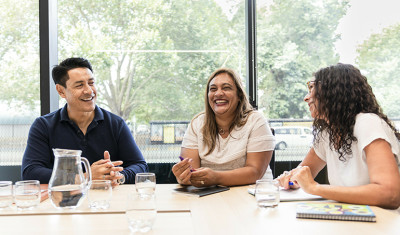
x: 60, y: 72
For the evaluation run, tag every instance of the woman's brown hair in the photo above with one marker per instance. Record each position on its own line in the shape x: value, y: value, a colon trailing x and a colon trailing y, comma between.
x: 244, y: 108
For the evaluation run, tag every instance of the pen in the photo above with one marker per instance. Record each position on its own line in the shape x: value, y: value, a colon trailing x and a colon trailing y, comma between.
x: 180, y: 157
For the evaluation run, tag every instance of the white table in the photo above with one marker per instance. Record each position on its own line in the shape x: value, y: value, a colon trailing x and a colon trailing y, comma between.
x: 230, y: 212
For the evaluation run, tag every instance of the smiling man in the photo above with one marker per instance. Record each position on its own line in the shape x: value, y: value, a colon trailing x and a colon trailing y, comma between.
x: 103, y: 137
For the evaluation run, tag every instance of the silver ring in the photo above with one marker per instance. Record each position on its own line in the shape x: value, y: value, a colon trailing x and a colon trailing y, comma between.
x: 104, y: 177
x: 202, y: 182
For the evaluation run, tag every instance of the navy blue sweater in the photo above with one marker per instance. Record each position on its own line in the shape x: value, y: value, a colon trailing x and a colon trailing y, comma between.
x: 107, y: 131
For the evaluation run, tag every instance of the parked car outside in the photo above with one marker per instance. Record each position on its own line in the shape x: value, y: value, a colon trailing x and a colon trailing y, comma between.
x: 142, y: 129
x: 292, y: 136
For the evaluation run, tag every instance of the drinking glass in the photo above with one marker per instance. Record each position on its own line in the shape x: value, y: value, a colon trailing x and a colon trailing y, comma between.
x: 267, y: 193
x: 6, y: 194
x: 141, y: 212
x: 27, y: 194
x: 100, y: 193
x: 145, y: 184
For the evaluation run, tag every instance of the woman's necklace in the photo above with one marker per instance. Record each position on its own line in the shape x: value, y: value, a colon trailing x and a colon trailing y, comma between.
x: 221, y: 131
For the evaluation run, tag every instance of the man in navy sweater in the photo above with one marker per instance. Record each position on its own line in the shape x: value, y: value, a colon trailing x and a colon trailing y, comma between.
x: 103, y: 137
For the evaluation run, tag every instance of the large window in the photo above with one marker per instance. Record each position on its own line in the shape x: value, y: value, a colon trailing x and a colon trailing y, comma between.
x: 152, y: 59
x: 19, y: 76
x: 296, y: 38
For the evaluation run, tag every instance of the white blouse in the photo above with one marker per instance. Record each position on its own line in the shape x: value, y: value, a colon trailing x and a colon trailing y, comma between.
x: 230, y: 153
x: 354, y: 171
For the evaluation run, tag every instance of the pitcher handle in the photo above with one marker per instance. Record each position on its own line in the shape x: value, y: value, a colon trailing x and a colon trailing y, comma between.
x: 87, y: 169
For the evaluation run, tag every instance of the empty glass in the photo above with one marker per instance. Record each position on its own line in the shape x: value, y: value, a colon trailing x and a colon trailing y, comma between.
x: 145, y: 184
x: 141, y: 212
x: 100, y: 193
x: 267, y: 193
x: 6, y: 194
x: 27, y: 194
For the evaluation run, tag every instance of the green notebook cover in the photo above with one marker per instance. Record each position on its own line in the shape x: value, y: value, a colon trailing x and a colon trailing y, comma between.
x: 335, y: 211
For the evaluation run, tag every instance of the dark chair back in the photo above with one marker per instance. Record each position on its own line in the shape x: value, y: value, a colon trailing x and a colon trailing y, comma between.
x: 272, y: 162
x: 12, y: 173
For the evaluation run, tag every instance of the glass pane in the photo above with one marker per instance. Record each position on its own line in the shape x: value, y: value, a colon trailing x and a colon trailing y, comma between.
x: 152, y: 59
x: 19, y: 76
x: 296, y: 38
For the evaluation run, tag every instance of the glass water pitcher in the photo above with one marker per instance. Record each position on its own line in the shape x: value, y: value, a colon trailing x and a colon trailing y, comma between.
x: 68, y: 184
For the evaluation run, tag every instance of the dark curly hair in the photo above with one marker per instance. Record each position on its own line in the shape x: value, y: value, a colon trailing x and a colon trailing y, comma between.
x: 342, y: 92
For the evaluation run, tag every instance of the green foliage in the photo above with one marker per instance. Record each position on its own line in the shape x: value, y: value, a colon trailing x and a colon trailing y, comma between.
x: 143, y: 52
x: 379, y: 61
x: 295, y: 38
x: 152, y: 58
x: 19, y: 55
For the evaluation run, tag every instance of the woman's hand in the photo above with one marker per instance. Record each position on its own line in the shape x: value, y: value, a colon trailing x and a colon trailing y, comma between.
x: 285, y: 178
x: 303, y: 177
x: 182, y: 171
x: 203, y: 177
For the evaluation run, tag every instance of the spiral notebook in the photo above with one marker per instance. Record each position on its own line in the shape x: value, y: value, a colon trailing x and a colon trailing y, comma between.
x: 335, y: 211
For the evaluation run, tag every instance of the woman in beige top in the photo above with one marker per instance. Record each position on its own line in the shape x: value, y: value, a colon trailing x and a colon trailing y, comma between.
x: 228, y: 143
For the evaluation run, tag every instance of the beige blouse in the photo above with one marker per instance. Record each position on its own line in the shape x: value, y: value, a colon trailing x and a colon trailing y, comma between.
x: 230, y: 153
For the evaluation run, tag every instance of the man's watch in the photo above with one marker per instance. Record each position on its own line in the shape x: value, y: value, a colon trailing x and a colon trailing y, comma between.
x: 122, y: 180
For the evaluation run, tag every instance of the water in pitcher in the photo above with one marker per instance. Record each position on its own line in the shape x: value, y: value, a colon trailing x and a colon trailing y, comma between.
x: 67, y: 196
x: 68, y: 184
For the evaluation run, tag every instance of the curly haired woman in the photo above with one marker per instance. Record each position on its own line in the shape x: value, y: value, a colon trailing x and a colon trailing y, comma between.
x: 353, y: 138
